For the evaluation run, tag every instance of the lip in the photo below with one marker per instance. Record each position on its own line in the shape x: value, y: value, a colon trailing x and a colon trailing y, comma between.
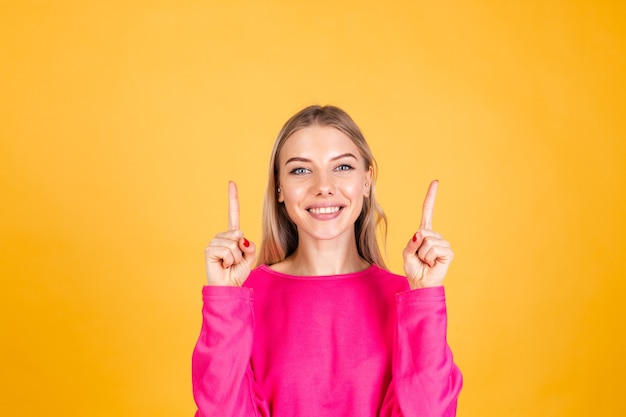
x: 325, y: 211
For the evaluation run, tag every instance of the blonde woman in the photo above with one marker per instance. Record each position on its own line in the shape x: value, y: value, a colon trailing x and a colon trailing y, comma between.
x: 320, y: 327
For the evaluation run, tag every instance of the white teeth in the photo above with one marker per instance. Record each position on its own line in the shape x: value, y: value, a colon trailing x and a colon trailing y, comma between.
x: 324, y: 210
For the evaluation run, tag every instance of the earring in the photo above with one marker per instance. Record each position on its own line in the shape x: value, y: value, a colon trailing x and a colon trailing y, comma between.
x: 278, y: 190
x: 367, y: 184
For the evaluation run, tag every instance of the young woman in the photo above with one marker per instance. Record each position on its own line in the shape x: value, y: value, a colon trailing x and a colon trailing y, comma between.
x: 319, y: 327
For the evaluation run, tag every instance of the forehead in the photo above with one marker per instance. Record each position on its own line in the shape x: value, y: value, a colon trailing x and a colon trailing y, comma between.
x: 318, y: 142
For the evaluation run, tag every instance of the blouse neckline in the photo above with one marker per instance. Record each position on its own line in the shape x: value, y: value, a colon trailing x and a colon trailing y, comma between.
x: 370, y: 269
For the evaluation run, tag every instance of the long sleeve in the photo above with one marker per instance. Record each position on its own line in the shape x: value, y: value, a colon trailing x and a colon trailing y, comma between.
x: 223, y: 383
x: 425, y: 380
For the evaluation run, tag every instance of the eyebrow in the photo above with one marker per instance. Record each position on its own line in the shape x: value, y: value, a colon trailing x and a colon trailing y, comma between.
x: 300, y: 159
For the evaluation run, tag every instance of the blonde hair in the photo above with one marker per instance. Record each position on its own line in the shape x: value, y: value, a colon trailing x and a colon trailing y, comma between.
x: 280, y: 235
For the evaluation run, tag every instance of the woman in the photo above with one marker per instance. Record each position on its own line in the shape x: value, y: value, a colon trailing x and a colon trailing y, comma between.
x: 319, y: 327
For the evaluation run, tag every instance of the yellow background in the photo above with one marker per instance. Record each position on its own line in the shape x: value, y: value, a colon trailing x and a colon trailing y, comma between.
x: 122, y: 121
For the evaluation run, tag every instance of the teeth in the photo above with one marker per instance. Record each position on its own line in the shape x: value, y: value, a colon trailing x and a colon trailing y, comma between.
x: 324, y: 210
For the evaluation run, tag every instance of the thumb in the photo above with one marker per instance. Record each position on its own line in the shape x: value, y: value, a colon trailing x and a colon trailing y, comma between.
x: 249, y: 250
x: 414, y: 244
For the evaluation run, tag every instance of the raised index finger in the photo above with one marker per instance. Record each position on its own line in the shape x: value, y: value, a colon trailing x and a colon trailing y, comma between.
x: 429, y: 204
x: 233, y: 206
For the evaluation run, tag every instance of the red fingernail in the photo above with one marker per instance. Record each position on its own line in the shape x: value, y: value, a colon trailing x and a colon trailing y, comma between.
x: 415, y: 237
x: 245, y: 242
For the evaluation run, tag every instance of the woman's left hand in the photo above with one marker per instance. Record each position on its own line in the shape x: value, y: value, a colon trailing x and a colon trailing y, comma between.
x: 427, y: 256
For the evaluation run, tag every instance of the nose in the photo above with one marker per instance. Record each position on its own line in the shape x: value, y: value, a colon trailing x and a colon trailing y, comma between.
x: 323, y: 184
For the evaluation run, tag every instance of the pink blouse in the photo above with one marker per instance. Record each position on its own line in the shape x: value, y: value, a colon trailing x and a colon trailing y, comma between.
x: 360, y: 344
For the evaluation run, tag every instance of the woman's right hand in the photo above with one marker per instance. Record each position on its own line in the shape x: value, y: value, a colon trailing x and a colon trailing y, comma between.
x: 230, y: 256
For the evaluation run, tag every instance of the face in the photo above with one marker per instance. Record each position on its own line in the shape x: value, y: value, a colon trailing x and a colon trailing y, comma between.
x: 323, y: 181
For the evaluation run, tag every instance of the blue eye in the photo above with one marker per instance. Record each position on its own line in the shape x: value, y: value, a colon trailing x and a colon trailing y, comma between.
x: 299, y: 171
x: 344, y: 167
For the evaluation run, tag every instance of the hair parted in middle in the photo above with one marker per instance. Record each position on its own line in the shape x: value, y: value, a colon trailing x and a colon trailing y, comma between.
x: 280, y: 234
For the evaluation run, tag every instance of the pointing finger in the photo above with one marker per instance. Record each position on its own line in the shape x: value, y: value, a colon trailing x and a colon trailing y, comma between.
x: 233, y: 206
x: 429, y: 204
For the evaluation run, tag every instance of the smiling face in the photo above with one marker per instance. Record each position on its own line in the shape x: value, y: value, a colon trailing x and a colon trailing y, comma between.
x: 323, y: 180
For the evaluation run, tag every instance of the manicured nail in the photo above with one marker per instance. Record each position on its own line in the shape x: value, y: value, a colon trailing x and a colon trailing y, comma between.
x: 415, y: 237
x: 246, y: 243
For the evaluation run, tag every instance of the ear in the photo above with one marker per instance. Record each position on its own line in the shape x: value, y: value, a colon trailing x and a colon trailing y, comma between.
x: 280, y: 195
x: 368, y: 182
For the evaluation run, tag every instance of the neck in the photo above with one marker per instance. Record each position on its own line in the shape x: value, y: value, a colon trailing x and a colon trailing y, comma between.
x: 325, y: 257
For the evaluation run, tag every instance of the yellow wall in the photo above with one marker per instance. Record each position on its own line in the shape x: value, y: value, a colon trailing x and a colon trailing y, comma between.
x: 122, y: 121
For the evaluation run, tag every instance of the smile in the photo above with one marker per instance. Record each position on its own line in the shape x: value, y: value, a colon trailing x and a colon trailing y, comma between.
x: 324, y: 210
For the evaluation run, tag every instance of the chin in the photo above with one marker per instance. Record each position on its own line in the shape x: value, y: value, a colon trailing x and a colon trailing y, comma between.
x: 330, y: 234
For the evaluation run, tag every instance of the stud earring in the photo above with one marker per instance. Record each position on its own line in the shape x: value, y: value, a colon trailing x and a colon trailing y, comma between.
x: 278, y: 190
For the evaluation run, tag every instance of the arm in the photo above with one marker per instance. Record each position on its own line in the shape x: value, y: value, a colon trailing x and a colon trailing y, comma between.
x: 425, y: 380
x: 223, y: 382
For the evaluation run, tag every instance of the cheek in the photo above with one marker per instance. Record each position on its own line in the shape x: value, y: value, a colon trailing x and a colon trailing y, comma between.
x: 292, y: 195
x: 356, y: 188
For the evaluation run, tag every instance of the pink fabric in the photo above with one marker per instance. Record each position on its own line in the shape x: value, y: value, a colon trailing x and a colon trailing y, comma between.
x: 357, y: 344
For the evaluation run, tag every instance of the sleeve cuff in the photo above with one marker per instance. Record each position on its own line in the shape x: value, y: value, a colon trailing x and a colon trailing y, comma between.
x: 213, y: 292
x: 421, y: 295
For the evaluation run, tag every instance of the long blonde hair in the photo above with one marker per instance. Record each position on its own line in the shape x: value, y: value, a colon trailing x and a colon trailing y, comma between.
x: 280, y: 235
